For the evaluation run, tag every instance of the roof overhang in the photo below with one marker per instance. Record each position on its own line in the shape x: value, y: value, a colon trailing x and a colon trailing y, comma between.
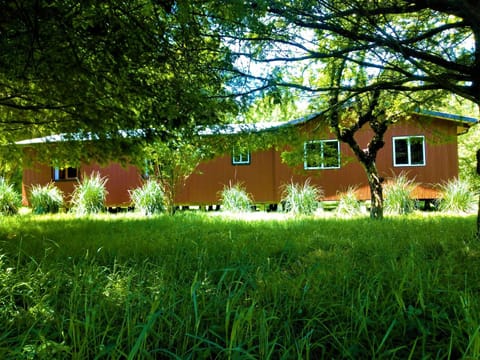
x: 463, y: 122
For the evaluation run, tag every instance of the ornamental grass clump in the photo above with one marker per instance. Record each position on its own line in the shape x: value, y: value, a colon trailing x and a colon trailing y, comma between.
x: 398, y: 198
x: 89, y: 195
x: 234, y: 198
x: 149, y: 199
x: 10, y: 199
x: 348, y: 204
x: 47, y: 199
x: 457, y: 197
x: 301, y: 199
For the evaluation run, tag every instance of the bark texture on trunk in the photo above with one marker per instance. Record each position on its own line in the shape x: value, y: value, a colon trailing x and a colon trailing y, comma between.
x: 376, y: 192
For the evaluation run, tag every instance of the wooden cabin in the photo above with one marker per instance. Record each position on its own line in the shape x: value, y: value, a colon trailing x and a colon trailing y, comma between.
x: 424, y: 147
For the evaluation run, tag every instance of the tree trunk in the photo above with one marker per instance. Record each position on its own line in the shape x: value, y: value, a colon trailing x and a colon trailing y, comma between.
x: 478, y: 215
x: 376, y: 192
x: 478, y: 219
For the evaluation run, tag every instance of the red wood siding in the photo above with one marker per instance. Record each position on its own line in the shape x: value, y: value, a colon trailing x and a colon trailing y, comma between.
x: 120, y: 180
x: 266, y: 175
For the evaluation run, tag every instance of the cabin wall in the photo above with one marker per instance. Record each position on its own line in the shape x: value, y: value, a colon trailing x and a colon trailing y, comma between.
x: 120, y: 180
x: 266, y: 175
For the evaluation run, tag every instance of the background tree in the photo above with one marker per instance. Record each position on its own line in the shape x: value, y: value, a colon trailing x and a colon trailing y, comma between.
x: 418, y: 49
x: 170, y: 164
x: 103, y: 68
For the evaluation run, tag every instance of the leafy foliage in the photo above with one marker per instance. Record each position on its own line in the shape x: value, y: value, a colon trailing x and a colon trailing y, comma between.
x: 235, y: 198
x: 398, y: 199
x: 149, y: 198
x: 301, y: 199
x: 46, y: 199
x: 99, y: 71
x: 407, y: 39
x: 457, y: 197
x: 89, y: 195
x: 10, y: 199
x: 171, y: 162
x: 467, y: 148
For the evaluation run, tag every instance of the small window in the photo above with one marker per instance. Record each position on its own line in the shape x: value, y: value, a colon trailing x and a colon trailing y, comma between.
x: 322, y: 154
x: 409, y: 151
x: 240, y: 157
x: 68, y: 173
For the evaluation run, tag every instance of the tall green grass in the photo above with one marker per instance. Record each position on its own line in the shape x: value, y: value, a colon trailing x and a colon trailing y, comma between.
x: 457, y: 196
x: 10, y: 199
x: 89, y: 194
x: 348, y: 204
x: 235, y: 198
x: 46, y: 199
x: 149, y: 199
x: 398, y: 195
x: 301, y: 199
x: 196, y: 287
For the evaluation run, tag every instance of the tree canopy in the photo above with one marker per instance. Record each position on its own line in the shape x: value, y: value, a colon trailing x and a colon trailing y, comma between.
x: 415, y: 45
x: 102, y: 67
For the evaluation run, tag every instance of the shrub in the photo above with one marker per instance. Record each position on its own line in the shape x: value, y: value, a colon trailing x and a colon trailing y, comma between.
x: 149, y: 198
x: 89, y: 195
x: 398, y: 195
x: 301, y: 199
x: 457, y: 196
x: 10, y: 199
x: 46, y: 199
x: 235, y: 198
x: 348, y: 203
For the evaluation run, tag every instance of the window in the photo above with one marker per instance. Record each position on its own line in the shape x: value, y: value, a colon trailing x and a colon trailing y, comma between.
x: 322, y: 154
x: 409, y: 151
x: 67, y: 173
x: 240, y: 157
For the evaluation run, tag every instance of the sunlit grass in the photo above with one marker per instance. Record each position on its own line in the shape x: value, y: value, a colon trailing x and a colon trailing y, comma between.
x: 200, y: 286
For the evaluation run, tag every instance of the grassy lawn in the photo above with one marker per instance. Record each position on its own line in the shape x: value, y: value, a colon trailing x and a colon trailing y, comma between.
x: 195, y: 286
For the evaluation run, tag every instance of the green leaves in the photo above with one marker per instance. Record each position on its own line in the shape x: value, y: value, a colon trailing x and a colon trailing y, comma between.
x: 100, y: 68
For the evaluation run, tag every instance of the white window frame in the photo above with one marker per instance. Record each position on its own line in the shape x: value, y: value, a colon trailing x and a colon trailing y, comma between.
x: 322, y: 166
x: 56, y: 174
x: 241, y: 158
x: 409, y: 151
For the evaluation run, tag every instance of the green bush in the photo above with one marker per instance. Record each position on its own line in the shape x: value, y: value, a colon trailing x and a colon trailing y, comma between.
x: 348, y: 203
x: 235, y: 198
x: 149, y: 198
x: 10, y: 199
x: 457, y: 196
x: 46, y: 199
x: 89, y: 195
x: 301, y: 199
x: 398, y: 195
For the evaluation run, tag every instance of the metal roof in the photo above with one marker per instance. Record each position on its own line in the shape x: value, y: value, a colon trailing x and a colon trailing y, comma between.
x: 229, y: 129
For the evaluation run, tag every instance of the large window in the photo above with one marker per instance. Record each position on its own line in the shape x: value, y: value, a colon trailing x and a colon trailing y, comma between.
x: 240, y: 157
x: 409, y: 151
x: 67, y: 173
x: 322, y: 154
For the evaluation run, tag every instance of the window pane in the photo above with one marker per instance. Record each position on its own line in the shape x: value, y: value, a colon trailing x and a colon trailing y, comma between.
x: 401, y: 152
x: 416, y: 151
x: 71, y: 173
x: 313, y: 155
x: 330, y: 154
x: 240, y: 157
